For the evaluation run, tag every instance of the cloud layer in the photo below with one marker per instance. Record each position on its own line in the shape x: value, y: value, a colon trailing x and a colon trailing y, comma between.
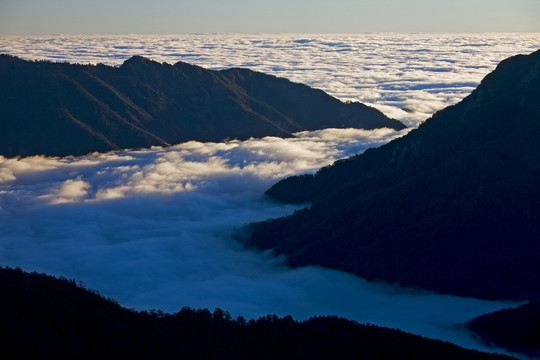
x: 243, y: 165
x: 407, y: 76
x: 153, y: 229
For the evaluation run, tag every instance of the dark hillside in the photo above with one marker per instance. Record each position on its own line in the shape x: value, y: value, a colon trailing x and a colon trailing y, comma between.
x: 516, y: 329
x: 45, y: 318
x: 63, y: 109
x: 453, y: 206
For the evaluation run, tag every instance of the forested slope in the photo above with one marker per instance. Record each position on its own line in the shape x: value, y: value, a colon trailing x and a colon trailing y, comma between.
x: 63, y: 109
x: 47, y: 318
x: 453, y: 206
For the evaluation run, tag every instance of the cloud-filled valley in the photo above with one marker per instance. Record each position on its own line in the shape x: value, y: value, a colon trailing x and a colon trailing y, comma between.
x: 155, y: 228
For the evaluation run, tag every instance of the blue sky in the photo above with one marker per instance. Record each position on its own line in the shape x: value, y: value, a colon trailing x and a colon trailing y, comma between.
x: 26, y: 17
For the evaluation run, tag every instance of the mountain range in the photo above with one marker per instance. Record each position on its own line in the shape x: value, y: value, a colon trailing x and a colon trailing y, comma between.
x: 61, y: 109
x: 453, y: 206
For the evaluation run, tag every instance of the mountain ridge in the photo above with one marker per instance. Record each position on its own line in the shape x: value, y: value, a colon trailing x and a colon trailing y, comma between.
x: 515, y: 329
x: 61, y: 109
x: 435, y: 208
x: 48, y: 318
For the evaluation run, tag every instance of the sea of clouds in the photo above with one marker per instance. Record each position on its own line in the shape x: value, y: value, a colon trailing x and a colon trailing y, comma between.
x: 155, y: 228
x: 407, y: 76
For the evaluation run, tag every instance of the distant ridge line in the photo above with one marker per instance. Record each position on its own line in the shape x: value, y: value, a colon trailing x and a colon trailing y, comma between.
x: 61, y: 109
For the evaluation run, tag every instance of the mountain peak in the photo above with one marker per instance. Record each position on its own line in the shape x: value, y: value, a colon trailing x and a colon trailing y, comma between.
x: 138, y: 60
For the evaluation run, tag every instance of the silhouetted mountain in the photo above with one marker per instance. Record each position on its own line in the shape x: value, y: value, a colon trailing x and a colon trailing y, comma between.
x: 516, y: 329
x: 453, y: 206
x: 64, y: 109
x: 46, y: 318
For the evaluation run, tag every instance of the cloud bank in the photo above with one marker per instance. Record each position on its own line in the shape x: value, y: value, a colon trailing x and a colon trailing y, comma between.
x: 251, y: 165
x: 407, y: 76
x: 153, y: 229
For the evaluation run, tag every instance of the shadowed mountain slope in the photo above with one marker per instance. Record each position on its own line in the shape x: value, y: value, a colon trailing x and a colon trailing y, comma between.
x: 46, y: 318
x: 66, y: 109
x: 516, y: 329
x: 453, y: 206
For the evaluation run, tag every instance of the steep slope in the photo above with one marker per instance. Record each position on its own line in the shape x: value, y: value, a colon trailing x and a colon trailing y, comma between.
x: 516, y: 329
x: 63, y: 109
x: 453, y: 206
x: 46, y: 318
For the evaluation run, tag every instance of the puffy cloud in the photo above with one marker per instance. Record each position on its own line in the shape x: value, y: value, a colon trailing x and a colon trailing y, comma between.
x: 12, y: 168
x: 71, y: 190
x: 253, y: 164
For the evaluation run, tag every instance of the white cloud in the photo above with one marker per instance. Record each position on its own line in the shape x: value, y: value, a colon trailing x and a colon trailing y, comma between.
x: 12, y: 168
x: 71, y: 190
x: 253, y: 164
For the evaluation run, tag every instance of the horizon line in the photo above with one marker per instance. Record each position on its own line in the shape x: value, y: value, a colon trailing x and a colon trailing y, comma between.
x: 275, y: 33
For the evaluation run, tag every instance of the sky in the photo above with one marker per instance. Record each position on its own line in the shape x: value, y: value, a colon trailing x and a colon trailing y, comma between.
x: 37, y: 17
